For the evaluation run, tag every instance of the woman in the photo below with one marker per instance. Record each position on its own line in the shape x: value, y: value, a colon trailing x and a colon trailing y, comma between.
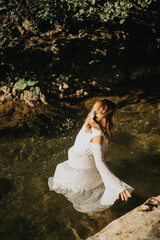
x: 85, y: 179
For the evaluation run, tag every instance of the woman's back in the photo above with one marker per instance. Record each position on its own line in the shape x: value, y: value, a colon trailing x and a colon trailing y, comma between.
x: 82, y: 142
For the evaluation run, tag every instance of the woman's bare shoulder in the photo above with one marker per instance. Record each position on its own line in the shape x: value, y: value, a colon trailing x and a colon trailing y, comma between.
x: 97, y: 139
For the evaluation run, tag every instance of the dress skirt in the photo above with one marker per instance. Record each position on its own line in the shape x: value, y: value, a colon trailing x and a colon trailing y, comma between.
x: 80, y: 182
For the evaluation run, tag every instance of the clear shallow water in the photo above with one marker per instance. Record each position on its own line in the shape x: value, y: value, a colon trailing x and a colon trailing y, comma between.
x: 30, y: 211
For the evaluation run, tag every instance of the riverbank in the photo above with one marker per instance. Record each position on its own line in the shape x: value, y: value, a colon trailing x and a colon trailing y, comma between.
x: 142, y: 223
x: 17, y: 115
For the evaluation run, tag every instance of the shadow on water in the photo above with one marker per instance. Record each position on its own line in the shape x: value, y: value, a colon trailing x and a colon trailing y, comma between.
x: 18, y: 228
x: 124, y: 207
x: 5, y: 187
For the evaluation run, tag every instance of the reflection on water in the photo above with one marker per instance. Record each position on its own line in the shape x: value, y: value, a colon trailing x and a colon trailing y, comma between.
x: 30, y: 211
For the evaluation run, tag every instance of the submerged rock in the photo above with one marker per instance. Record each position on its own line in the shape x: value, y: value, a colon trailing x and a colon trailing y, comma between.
x: 141, y: 223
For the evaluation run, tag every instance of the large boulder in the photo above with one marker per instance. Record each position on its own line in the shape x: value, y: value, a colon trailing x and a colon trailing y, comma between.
x: 142, y: 223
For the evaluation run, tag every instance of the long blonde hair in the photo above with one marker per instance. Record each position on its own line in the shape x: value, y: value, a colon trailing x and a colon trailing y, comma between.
x: 103, y: 116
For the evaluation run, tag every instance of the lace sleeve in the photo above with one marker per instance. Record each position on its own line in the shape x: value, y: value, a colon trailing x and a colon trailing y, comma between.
x: 113, y: 185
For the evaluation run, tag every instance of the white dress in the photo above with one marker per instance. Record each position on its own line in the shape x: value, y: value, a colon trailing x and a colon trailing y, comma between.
x: 85, y: 179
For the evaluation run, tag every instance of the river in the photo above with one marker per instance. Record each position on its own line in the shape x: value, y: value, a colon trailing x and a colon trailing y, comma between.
x: 29, y: 211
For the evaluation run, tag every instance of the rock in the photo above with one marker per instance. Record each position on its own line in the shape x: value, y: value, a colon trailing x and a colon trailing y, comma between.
x: 142, y: 223
x: 85, y: 93
x: 42, y: 98
x: 10, y: 93
x: 5, y: 94
x: 79, y: 92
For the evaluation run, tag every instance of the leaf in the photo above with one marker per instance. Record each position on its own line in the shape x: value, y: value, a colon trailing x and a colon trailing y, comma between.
x: 81, y: 11
x: 32, y: 89
x: 122, y: 4
x: 36, y: 90
x: 31, y: 83
x: 149, y: 2
x: 116, y: 4
x: 121, y: 48
x: 143, y: 5
x: 122, y: 21
x: 129, y: 5
x: 21, y: 84
x: 90, y: 9
x: 93, y: 2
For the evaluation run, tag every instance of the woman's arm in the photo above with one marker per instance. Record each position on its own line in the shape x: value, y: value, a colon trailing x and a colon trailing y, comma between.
x: 111, y: 182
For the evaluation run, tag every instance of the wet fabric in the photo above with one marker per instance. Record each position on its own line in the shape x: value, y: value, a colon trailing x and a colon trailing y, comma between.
x: 85, y: 179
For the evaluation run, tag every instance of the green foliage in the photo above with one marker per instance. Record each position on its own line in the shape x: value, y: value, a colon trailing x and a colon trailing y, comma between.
x: 66, y: 12
x: 115, y: 9
x: 20, y: 84
x: 63, y: 13
x: 145, y: 3
x: 23, y: 84
x: 28, y: 74
x: 67, y: 15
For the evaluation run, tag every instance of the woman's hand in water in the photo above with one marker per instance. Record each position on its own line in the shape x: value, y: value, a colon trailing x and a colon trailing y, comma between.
x: 124, y: 195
